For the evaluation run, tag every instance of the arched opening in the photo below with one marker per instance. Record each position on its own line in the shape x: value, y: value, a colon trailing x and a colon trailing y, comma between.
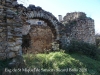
x: 49, y: 24
x: 40, y: 36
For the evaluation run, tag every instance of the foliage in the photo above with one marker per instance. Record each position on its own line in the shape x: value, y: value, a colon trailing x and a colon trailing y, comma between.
x: 98, y: 43
x: 82, y: 48
x: 61, y: 60
x: 4, y: 63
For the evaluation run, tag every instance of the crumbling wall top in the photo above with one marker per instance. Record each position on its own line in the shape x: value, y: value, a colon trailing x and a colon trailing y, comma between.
x: 74, y: 15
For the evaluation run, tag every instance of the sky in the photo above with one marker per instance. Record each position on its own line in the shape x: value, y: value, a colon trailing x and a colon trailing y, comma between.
x: 62, y: 7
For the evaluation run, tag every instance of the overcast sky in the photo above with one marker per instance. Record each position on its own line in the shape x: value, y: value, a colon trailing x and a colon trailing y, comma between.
x: 61, y: 7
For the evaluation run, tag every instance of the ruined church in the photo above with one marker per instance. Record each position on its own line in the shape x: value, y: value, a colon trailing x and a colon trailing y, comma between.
x: 33, y: 29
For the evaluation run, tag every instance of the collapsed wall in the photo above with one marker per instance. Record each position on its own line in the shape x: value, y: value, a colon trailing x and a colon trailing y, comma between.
x: 77, y: 26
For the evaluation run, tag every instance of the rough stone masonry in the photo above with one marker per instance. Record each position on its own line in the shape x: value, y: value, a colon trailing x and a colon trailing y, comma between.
x: 10, y: 30
x: 14, y: 17
x: 79, y: 27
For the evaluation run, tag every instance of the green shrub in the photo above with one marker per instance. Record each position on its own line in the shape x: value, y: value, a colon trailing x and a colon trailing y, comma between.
x: 82, y: 48
x: 60, y: 60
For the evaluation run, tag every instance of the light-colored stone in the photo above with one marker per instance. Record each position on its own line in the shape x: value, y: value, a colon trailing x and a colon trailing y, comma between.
x: 11, y: 55
x: 12, y: 44
x: 25, y: 29
x: 19, y: 42
x: 1, y: 30
x: 16, y: 48
x: 79, y: 27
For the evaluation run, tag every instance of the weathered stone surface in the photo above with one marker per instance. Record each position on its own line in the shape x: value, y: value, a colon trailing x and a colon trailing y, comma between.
x: 25, y: 29
x: 10, y: 29
x: 17, y: 29
x: 11, y: 55
x: 15, y: 3
x: 12, y: 44
x: 2, y: 56
x: 1, y: 30
x: 9, y: 1
x: 9, y: 37
x: 16, y: 48
x: 18, y: 35
x: 79, y: 27
x: 18, y: 41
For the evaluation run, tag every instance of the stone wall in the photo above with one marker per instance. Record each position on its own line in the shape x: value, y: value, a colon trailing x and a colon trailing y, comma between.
x: 13, y: 18
x: 77, y: 26
x: 10, y: 30
x: 10, y: 36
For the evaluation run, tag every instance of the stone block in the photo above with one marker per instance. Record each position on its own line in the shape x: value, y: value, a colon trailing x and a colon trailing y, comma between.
x: 17, y: 29
x: 1, y: 50
x: 18, y: 35
x: 2, y: 16
x: 10, y: 34
x: 12, y: 44
x: 3, y: 35
x: 1, y: 30
x: 18, y: 41
x: 14, y: 48
x: 10, y: 21
x: 2, y: 56
x: 9, y: 37
x: 11, y: 55
x: 17, y: 25
x: 14, y: 3
x: 17, y: 48
x: 1, y: 7
x: 10, y: 16
x: 8, y: 1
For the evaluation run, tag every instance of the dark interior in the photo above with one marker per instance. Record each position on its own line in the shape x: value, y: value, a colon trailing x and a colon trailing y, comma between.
x: 26, y: 41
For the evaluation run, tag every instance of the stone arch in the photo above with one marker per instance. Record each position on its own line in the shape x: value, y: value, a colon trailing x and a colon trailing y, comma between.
x: 52, y: 27
x: 33, y: 12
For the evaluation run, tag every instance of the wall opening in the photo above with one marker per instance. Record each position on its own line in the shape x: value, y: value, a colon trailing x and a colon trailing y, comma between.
x: 40, y: 36
x: 26, y: 43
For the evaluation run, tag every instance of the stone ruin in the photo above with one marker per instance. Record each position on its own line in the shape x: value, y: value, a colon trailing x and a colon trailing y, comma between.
x: 77, y: 26
x: 18, y: 30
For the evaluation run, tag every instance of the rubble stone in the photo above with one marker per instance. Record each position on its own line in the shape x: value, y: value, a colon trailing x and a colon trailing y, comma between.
x: 77, y: 26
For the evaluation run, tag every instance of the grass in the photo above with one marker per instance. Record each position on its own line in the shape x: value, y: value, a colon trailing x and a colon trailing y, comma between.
x: 60, y: 60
